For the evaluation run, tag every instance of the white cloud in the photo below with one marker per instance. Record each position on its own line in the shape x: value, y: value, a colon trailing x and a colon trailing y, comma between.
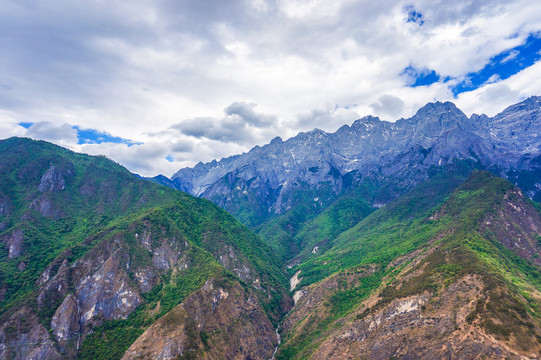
x: 259, y: 5
x: 64, y: 135
x: 9, y: 126
x: 141, y: 159
x: 493, y: 98
x: 241, y: 124
x: 388, y: 105
x: 136, y: 69
x: 311, y: 10
x: 512, y: 54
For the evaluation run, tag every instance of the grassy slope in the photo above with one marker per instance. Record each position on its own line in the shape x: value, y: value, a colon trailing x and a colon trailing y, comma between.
x: 406, y: 225
x: 294, y: 234
x: 385, y: 234
x: 343, y: 214
x: 114, y: 193
x: 310, y: 223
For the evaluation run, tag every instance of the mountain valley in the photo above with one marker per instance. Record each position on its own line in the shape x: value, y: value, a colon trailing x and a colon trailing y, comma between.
x: 414, y: 239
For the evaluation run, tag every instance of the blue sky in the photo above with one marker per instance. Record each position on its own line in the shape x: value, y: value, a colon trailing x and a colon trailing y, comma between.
x: 158, y: 86
x: 499, y: 67
x: 503, y: 65
x: 91, y: 136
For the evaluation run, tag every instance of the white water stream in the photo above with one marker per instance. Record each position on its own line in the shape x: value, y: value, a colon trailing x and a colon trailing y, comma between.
x: 294, y: 281
x: 279, y: 338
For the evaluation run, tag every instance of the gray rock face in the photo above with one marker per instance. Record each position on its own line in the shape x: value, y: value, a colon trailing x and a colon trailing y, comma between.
x: 51, y: 182
x: 5, y: 207
x: 83, y: 294
x: 265, y: 178
x: 55, y: 288
x: 46, y: 207
x: 231, y: 261
x: 15, y: 244
x: 165, y: 257
x: 106, y: 293
x: 54, y: 178
x: 23, y: 337
x: 65, y: 323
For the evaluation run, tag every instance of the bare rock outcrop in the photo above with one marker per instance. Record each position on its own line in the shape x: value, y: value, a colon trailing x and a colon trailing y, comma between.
x: 65, y: 323
x: 106, y: 294
x: 54, y: 179
x: 23, y: 337
x: 220, y: 321
x: 420, y: 327
x: 14, y: 243
x: 46, y: 206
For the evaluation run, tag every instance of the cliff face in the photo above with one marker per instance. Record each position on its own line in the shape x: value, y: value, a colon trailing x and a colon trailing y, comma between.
x: 104, y: 255
x: 219, y: 321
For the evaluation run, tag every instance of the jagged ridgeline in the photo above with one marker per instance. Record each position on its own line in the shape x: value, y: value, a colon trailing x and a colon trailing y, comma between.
x: 449, y: 270
x: 96, y: 263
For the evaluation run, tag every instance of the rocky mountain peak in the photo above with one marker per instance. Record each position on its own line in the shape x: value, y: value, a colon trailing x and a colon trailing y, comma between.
x: 530, y: 104
x: 445, y: 114
x: 366, y: 120
x: 438, y: 107
x: 315, y: 133
x: 482, y: 119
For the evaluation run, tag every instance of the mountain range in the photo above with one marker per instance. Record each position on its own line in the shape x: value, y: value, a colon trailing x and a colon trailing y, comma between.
x: 255, y: 185
x: 414, y: 239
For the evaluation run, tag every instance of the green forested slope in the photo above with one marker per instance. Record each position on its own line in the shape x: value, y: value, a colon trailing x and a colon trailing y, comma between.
x: 437, y: 234
x: 62, y: 212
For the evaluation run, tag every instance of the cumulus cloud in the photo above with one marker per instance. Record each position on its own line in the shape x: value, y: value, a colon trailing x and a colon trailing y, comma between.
x: 182, y: 146
x: 247, y: 114
x: 9, y: 126
x: 388, y: 106
x: 140, y: 159
x: 150, y: 158
x: 64, y: 134
x: 241, y: 124
x: 495, y: 97
x: 325, y: 118
x: 312, y: 10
